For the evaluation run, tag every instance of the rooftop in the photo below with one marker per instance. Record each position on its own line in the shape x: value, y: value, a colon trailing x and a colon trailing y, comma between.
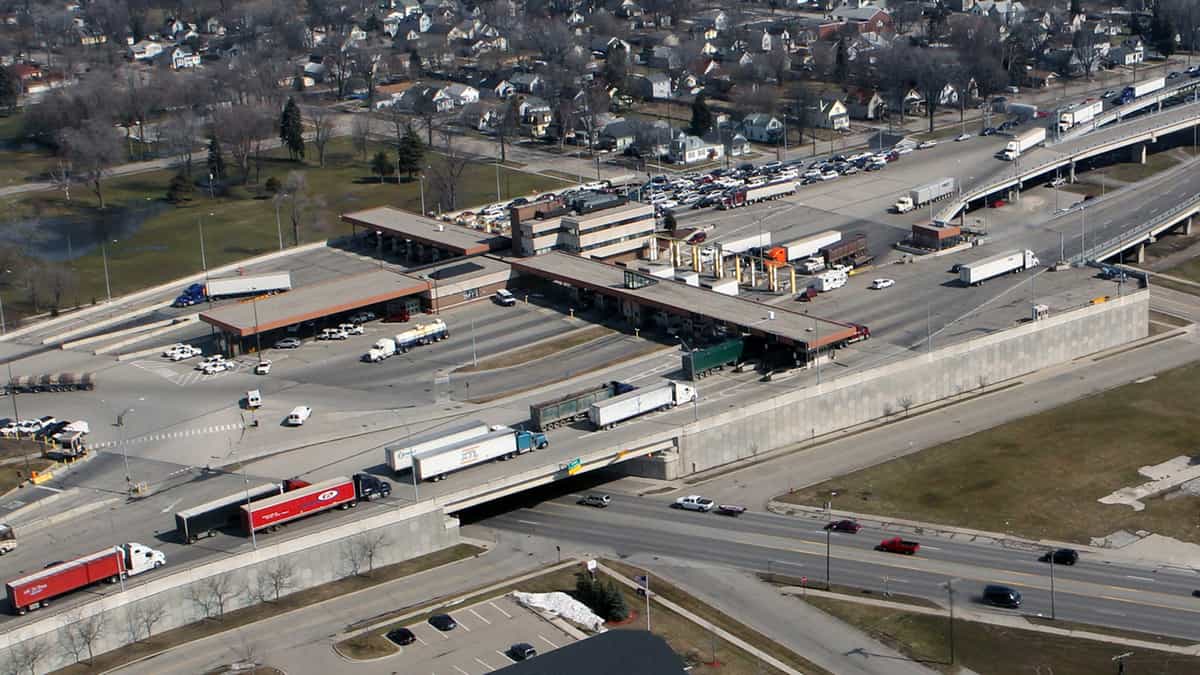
x: 679, y: 298
x: 312, y: 302
x: 629, y: 652
x: 457, y: 240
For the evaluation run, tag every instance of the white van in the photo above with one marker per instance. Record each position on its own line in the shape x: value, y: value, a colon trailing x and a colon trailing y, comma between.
x: 253, y: 399
x: 299, y: 415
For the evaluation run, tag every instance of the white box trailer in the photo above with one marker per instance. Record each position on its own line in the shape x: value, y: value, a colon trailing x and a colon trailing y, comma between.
x: 746, y: 243
x: 502, y: 443
x: 811, y: 245
x: 980, y: 271
x: 608, y: 413
x: 1023, y: 142
x: 248, y: 285
x: 829, y: 280
x: 1079, y: 114
x: 399, y: 456
x: 1148, y: 86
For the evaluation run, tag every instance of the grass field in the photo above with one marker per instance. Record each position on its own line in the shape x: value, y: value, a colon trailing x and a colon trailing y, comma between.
x: 687, y: 639
x: 166, y: 244
x: 995, y: 650
x: 1040, y: 476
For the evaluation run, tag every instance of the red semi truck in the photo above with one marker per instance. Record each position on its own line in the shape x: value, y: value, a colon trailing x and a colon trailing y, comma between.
x: 342, y: 493
x: 36, y: 590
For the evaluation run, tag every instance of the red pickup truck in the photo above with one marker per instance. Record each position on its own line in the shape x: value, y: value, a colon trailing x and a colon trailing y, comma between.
x: 898, y: 545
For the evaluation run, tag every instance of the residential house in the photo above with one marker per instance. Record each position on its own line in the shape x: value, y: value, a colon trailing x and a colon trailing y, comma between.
x: 356, y: 35
x: 1007, y: 12
x: 25, y: 73
x: 1039, y: 79
x: 407, y: 7
x: 498, y: 87
x: 535, y: 116
x: 688, y: 149
x: 145, y: 50
x: 717, y: 20
x: 629, y: 9
x: 651, y: 86
x: 960, y: 5
x: 617, y: 135
x: 212, y: 26
x: 866, y: 19
x: 601, y: 46
x: 1127, y: 55
x: 90, y: 37
x: 762, y: 128
x: 865, y: 104
x: 183, y: 57
x: 830, y: 113
x: 316, y: 71
x: 662, y: 58
x: 461, y: 94
x: 526, y: 83
x: 174, y: 27
x: 739, y: 145
x: 576, y: 19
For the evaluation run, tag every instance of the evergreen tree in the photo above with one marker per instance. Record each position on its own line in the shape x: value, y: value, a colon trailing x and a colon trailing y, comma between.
x: 216, y: 160
x: 272, y: 185
x: 291, y: 130
x: 669, y: 221
x: 1162, y: 32
x: 614, y: 603
x: 414, y: 64
x: 381, y: 165
x: 180, y: 189
x: 841, y: 63
x: 10, y: 89
x: 410, y: 155
x: 701, y: 117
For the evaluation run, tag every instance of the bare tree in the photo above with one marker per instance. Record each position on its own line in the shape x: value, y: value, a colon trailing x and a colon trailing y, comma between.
x: 84, y: 634
x: 29, y: 653
x: 148, y: 614
x: 220, y: 589
x: 1083, y: 47
x: 300, y: 205
x: 241, y: 129
x: 447, y: 170
x: 509, y: 126
x: 180, y: 133
x: 360, y: 135
x: 323, y: 123
x: 199, y: 596
x: 277, y: 576
x: 905, y: 402
x: 93, y: 149
x: 352, y: 556
x: 371, y: 545
x: 888, y: 410
x: 245, y: 652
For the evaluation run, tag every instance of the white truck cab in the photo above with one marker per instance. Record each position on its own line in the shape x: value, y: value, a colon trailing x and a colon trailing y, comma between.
x: 140, y: 558
x: 299, y: 415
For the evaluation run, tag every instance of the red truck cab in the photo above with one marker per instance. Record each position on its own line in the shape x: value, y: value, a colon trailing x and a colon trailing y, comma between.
x: 898, y: 545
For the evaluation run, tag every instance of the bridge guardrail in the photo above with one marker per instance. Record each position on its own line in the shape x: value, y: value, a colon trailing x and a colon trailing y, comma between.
x: 1144, y: 230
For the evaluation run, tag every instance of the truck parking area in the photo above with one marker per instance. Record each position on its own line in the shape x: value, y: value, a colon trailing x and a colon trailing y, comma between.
x: 480, y: 643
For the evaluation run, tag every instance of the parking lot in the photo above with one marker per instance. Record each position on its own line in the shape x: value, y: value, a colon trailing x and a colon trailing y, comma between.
x: 480, y: 642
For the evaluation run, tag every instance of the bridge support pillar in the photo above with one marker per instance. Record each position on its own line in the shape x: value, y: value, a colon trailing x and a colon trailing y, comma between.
x: 1185, y: 228
x: 1071, y: 176
x: 1141, y: 253
x: 1137, y: 153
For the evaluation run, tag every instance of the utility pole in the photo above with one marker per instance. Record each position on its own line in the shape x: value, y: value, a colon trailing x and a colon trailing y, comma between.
x: 1052, y: 617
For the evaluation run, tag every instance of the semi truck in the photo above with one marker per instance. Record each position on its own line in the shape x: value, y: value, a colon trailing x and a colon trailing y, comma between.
x: 852, y: 252
x: 1022, y: 142
x: 382, y: 349
x: 974, y: 274
x: 750, y: 195
x: 8, y: 539
x: 503, y: 443
x: 803, y: 248
x: 342, y: 493
x: 398, y: 457
x: 668, y: 394
x: 422, y: 334
x: 573, y: 406
x: 206, y: 519
x: 924, y: 194
x: 1141, y: 89
x: 1079, y: 114
x: 33, y: 591
x: 699, y: 363
x: 36, y: 384
x: 231, y: 287
x: 746, y: 243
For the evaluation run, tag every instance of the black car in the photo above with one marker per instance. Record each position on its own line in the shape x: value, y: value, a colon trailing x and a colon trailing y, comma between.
x: 990, y: 131
x: 1001, y: 596
x: 843, y: 526
x: 401, y: 636
x: 443, y: 622
x: 1062, y: 556
x: 522, y: 651
x: 1174, y: 74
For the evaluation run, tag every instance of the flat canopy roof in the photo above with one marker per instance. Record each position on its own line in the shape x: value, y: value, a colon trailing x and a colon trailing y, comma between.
x: 455, y: 239
x: 313, y: 302
x: 680, y: 298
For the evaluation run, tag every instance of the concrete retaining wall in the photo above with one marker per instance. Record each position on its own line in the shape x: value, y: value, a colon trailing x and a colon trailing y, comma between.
x: 316, y: 559
x: 923, y: 378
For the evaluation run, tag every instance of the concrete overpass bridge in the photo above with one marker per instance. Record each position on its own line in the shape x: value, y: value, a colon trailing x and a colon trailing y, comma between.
x: 1116, y: 113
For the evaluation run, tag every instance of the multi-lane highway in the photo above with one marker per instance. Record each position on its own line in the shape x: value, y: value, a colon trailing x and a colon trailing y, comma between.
x: 1106, y: 593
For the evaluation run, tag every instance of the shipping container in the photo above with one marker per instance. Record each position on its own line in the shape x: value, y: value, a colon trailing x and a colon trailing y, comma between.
x: 275, y: 511
x: 743, y: 196
x: 399, y: 456
x: 607, y: 414
x: 1081, y: 113
x: 573, y: 406
x: 1023, y: 142
x: 204, y: 520
x: 700, y: 362
x: 249, y: 285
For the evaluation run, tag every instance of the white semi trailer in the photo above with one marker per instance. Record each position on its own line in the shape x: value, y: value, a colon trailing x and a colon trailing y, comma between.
x: 610, y: 412
x: 399, y: 456
x: 980, y: 271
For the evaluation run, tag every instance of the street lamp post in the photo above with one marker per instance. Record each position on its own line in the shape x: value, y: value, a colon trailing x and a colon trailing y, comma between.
x: 17, y: 416
x: 125, y: 449
x: 104, y: 258
x: 950, y: 597
x: 422, y: 179
x: 278, y: 225
x: 828, y: 531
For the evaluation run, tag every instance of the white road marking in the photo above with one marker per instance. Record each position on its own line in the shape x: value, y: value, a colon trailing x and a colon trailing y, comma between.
x: 483, y: 663
x: 51, y: 489
x: 528, y: 522
x: 497, y: 608
x: 930, y: 548
x: 459, y: 670
x: 1128, y: 576
x: 511, y: 659
x: 547, y: 641
x: 480, y: 617
x: 170, y: 506
x: 420, y: 640
x: 463, y: 626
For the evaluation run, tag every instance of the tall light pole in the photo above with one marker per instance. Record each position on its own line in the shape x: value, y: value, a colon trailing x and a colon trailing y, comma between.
x: 828, y: 532
x: 16, y: 415
x: 104, y: 258
x: 278, y: 225
x: 950, y: 596
x: 421, y: 178
x: 125, y: 449
x: 246, y: 483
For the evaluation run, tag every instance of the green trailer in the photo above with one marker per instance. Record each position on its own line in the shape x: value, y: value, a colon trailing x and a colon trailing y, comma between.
x: 700, y: 362
x: 574, y: 406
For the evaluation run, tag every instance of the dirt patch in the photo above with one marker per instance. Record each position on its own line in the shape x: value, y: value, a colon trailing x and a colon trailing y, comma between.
x: 1040, y: 477
x: 539, y: 350
x: 642, y: 350
x: 366, y: 647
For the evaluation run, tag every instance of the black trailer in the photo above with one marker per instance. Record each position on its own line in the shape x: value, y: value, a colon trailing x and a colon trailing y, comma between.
x: 206, y: 519
x: 573, y: 406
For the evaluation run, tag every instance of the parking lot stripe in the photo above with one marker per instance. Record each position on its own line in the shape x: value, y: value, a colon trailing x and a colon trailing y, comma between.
x: 461, y: 670
x: 506, y: 656
x: 420, y: 640
x: 547, y: 641
x: 484, y: 664
x: 506, y: 614
x: 480, y: 617
x: 463, y: 626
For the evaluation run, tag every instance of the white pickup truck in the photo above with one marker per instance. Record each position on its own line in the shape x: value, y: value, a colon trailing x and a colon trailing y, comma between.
x: 694, y: 503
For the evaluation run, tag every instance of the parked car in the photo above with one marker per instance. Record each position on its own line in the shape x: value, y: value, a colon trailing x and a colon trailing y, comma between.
x: 288, y: 343
x: 997, y: 203
x: 504, y: 298
x: 298, y: 416
x: 263, y: 367
x: 204, y: 362
x: 597, y: 500
x: 522, y: 651
x: 1062, y: 556
x: 925, y: 145
x: 880, y: 284
x: 185, y: 352
x: 1058, y: 180
x: 843, y: 526
x: 1013, y: 90
x: 214, y: 367
x: 694, y: 503
x: 401, y: 636
x: 1001, y: 596
x: 443, y: 622
x: 363, y: 317
x: 350, y: 328
x: 829, y: 175
x: 990, y: 131
x: 962, y: 137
